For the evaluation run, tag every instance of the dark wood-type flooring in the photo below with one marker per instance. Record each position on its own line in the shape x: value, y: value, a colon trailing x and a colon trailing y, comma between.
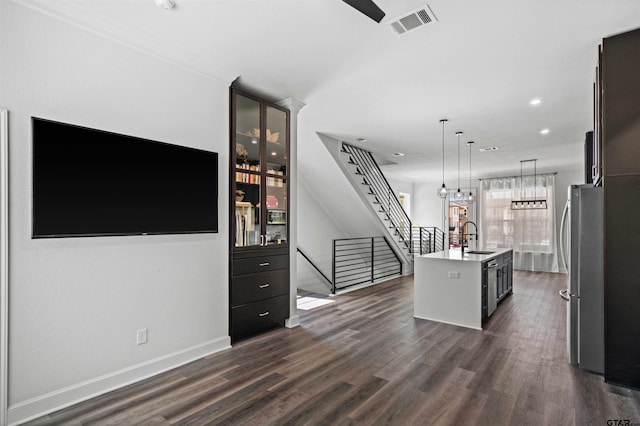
x: 365, y: 360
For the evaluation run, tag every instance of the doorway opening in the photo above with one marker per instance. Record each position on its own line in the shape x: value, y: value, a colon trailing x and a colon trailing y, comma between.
x: 458, y: 215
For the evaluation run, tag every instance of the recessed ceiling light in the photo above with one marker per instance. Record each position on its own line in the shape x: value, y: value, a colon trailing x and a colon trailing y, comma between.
x: 535, y: 101
x: 166, y: 4
x: 488, y: 149
x: 398, y: 154
x: 273, y: 153
x: 544, y: 131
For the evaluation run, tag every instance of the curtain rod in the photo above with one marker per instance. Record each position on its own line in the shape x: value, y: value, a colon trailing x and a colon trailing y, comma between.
x: 517, y: 176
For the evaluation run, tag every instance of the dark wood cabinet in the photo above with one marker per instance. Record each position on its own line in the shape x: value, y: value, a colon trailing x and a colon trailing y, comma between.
x: 485, y: 291
x: 589, y: 160
x: 504, y: 280
x: 258, y: 239
x: 619, y: 118
x: 596, y: 172
x: 504, y: 284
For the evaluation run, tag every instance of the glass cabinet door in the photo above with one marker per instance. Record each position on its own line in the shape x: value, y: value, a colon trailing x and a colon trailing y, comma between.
x: 276, y: 176
x: 248, y: 230
x: 259, y: 155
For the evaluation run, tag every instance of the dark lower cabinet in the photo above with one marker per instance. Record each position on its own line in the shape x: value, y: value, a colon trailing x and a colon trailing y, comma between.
x: 622, y: 282
x: 504, y: 280
x: 485, y: 291
x: 505, y: 275
x: 258, y: 291
x: 253, y: 318
x: 619, y: 91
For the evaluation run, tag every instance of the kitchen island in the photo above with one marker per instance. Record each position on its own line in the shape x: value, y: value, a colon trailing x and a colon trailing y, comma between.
x: 461, y: 290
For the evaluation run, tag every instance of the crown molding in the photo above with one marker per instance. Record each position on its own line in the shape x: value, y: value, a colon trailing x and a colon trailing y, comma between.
x: 80, y: 16
x: 291, y: 104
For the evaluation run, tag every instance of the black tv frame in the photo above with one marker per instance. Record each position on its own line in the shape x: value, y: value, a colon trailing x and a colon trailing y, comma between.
x: 179, y: 149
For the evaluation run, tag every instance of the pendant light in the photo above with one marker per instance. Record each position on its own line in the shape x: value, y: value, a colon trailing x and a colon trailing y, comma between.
x: 459, y: 193
x: 529, y: 204
x: 470, y: 198
x: 443, y: 192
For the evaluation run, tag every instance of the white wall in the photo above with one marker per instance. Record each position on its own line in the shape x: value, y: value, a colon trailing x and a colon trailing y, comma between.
x: 317, y: 229
x: 76, y: 303
x: 399, y: 185
x: 427, y: 206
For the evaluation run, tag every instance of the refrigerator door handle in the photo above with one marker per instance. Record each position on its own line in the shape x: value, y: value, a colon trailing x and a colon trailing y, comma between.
x: 563, y: 236
x: 564, y: 293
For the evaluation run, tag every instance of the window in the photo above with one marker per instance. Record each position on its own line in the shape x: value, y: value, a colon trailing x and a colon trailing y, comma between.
x: 531, y: 233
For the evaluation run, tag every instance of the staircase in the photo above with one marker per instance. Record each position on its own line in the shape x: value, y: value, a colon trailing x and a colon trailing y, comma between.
x: 366, y: 176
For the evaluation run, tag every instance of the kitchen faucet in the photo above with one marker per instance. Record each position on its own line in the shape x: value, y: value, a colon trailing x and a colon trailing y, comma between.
x: 468, y: 235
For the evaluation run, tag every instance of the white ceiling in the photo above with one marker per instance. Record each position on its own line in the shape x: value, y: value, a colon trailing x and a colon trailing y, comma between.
x: 478, y: 66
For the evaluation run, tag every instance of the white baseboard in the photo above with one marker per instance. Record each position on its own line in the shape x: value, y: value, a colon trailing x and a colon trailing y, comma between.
x: 448, y: 322
x: 294, y: 321
x: 53, y: 401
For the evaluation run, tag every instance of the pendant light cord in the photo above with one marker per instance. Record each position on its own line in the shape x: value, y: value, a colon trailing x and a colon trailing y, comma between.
x: 443, y: 121
x: 470, y: 143
x: 459, y: 133
x: 535, y: 171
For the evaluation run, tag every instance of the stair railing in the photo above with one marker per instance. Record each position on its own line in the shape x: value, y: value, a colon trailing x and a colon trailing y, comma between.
x: 326, y: 279
x: 427, y: 239
x: 363, y: 260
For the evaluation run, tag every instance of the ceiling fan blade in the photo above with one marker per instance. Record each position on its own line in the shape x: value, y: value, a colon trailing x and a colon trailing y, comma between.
x: 368, y: 7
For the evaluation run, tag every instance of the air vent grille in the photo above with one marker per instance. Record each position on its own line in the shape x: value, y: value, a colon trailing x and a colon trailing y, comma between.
x: 411, y: 21
x: 397, y: 27
x: 424, y: 16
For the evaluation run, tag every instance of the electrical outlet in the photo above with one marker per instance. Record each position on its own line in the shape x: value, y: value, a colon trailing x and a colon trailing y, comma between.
x: 141, y: 336
x: 454, y: 274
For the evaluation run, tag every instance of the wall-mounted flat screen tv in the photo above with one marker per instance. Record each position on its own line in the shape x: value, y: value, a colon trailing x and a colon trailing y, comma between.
x: 89, y: 182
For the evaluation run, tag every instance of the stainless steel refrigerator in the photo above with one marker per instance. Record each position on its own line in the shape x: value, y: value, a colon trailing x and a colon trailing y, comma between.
x: 582, y: 250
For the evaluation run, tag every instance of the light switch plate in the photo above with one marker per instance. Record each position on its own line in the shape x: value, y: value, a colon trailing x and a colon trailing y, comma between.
x: 453, y: 274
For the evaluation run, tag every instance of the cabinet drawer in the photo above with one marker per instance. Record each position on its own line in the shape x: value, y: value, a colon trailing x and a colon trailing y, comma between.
x: 260, y: 264
x: 256, y: 317
x: 262, y: 285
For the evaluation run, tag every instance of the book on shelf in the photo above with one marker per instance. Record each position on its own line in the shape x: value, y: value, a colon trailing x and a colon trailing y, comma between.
x: 247, y: 166
x: 247, y: 178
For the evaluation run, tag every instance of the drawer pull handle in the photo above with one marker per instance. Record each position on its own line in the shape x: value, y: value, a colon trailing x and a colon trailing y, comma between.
x: 264, y: 264
x: 264, y: 285
x: 264, y: 314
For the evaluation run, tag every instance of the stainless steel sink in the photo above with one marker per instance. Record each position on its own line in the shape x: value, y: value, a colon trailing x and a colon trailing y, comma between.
x: 479, y: 252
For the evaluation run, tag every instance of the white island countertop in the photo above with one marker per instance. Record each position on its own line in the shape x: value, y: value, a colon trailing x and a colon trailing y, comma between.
x: 457, y: 255
x: 448, y: 287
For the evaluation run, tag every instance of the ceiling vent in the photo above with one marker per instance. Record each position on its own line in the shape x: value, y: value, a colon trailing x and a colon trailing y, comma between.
x: 488, y: 149
x: 414, y: 20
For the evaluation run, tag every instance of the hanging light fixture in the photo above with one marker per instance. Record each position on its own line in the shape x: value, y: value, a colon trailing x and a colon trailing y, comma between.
x: 443, y: 192
x: 470, y: 197
x: 459, y: 193
x: 529, y: 204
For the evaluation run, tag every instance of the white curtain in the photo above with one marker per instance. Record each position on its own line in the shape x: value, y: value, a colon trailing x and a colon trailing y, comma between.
x: 530, y: 233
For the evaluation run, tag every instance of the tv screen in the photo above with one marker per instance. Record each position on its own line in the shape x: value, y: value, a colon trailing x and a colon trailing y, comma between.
x: 89, y: 182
